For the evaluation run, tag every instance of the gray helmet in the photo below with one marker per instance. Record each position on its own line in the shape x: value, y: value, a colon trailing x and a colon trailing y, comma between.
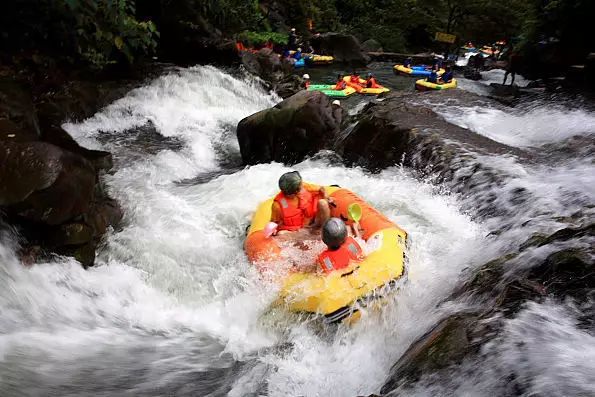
x: 290, y: 182
x: 334, y: 233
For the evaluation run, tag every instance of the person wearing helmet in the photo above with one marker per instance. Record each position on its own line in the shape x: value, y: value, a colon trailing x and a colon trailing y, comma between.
x: 433, y: 77
x: 341, y: 248
x: 298, y: 54
x: 336, y: 102
x: 292, y: 39
x: 341, y: 84
x: 371, y: 81
x: 407, y: 62
x: 296, y: 206
x: 306, y: 78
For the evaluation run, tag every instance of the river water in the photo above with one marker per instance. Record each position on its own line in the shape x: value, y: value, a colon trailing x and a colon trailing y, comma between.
x: 173, y: 307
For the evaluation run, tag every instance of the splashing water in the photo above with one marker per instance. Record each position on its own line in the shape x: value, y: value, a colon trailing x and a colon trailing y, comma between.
x: 173, y: 307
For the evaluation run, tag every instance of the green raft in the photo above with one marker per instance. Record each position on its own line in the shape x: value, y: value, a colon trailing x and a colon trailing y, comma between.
x: 329, y: 90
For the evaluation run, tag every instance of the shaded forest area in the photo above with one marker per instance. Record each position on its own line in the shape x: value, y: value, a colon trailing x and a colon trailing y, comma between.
x: 100, y: 34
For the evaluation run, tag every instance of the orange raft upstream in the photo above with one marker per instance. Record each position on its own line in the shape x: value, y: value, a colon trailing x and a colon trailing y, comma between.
x: 339, y: 294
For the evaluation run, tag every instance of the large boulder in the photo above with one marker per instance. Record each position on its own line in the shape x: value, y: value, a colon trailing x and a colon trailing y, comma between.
x: 49, y: 185
x: 265, y: 63
x: 345, y: 48
x: 298, y: 127
x: 372, y: 45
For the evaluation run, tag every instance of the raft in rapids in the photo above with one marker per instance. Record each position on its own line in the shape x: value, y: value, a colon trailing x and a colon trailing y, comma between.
x: 341, y: 293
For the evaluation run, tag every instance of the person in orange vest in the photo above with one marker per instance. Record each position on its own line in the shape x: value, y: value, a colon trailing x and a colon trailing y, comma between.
x: 306, y: 78
x: 371, y: 81
x: 297, y: 205
x: 354, y: 78
x: 341, y: 84
x: 342, y: 248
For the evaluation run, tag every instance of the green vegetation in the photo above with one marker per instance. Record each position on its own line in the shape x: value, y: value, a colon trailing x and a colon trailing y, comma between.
x: 103, y: 32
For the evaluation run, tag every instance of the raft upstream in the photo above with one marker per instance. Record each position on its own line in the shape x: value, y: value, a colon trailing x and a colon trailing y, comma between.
x: 341, y: 293
x: 423, y: 85
x: 415, y: 71
x: 362, y: 89
x: 329, y: 90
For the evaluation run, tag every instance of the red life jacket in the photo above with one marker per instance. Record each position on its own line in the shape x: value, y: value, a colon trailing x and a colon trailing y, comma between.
x: 341, y: 85
x: 307, y: 84
x: 371, y: 83
x: 294, y: 217
x: 339, y: 259
x: 354, y: 79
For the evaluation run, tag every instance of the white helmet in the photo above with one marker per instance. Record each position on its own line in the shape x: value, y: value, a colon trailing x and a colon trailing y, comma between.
x: 300, y: 49
x: 306, y: 76
x: 337, y: 102
x: 293, y: 29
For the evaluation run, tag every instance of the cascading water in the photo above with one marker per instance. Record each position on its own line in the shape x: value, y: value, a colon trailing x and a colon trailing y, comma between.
x: 173, y: 307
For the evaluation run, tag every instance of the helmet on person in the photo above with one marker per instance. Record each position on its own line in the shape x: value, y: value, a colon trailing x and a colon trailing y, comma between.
x: 306, y: 76
x: 370, y: 74
x: 334, y: 233
x: 336, y: 102
x: 293, y: 29
x: 290, y: 182
x: 299, y: 49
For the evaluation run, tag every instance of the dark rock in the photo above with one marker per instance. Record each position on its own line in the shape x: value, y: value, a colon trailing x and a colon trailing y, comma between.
x: 399, y: 130
x: 26, y: 168
x: 103, y: 214
x: 84, y: 253
x: 70, y: 234
x: 267, y: 65
x: 372, y: 45
x: 343, y: 47
x: 472, y: 74
x: 288, y: 86
x: 446, y: 344
x: 299, y: 126
x: 16, y: 106
x: 67, y: 197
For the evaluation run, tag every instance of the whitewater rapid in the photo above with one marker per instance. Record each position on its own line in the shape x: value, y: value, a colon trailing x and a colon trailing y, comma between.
x: 173, y: 307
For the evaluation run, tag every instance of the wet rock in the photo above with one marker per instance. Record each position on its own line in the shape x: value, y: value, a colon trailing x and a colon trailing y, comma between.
x: 372, y: 45
x: 402, y: 130
x: 50, y: 189
x: 344, y: 48
x: 446, y: 344
x: 298, y: 127
x: 70, y: 234
x: 472, y: 73
x: 17, y: 111
x: 289, y: 85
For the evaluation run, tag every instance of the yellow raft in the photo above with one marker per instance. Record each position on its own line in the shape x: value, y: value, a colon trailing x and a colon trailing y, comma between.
x: 423, y: 85
x: 415, y: 71
x: 362, y: 89
x: 341, y: 293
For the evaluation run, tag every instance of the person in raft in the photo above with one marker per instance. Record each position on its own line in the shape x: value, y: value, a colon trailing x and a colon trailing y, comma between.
x: 306, y: 78
x: 341, y: 248
x: 433, y: 77
x: 341, y: 84
x: 354, y: 78
x: 407, y: 62
x: 296, y: 207
x: 371, y: 81
x: 447, y: 76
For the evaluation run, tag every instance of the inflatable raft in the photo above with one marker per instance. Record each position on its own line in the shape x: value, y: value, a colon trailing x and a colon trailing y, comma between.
x: 300, y: 63
x: 423, y: 85
x: 339, y: 294
x: 362, y: 89
x: 415, y: 71
x: 315, y: 59
x: 329, y: 90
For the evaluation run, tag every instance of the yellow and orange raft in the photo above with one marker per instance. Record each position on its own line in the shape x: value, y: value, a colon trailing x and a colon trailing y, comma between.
x: 341, y: 293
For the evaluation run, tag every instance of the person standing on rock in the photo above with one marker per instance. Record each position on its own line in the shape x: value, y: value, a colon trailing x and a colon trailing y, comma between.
x: 511, y: 67
x: 299, y: 204
x: 306, y: 78
x: 292, y: 40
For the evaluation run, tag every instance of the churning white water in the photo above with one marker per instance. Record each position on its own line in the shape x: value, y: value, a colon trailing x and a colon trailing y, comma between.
x: 173, y: 307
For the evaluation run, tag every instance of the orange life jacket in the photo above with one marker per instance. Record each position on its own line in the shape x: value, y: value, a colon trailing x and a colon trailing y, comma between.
x: 307, y: 84
x: 294, y: 216
x: 371, y: 83
x: 341, y: 85
x: 339, y: 259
